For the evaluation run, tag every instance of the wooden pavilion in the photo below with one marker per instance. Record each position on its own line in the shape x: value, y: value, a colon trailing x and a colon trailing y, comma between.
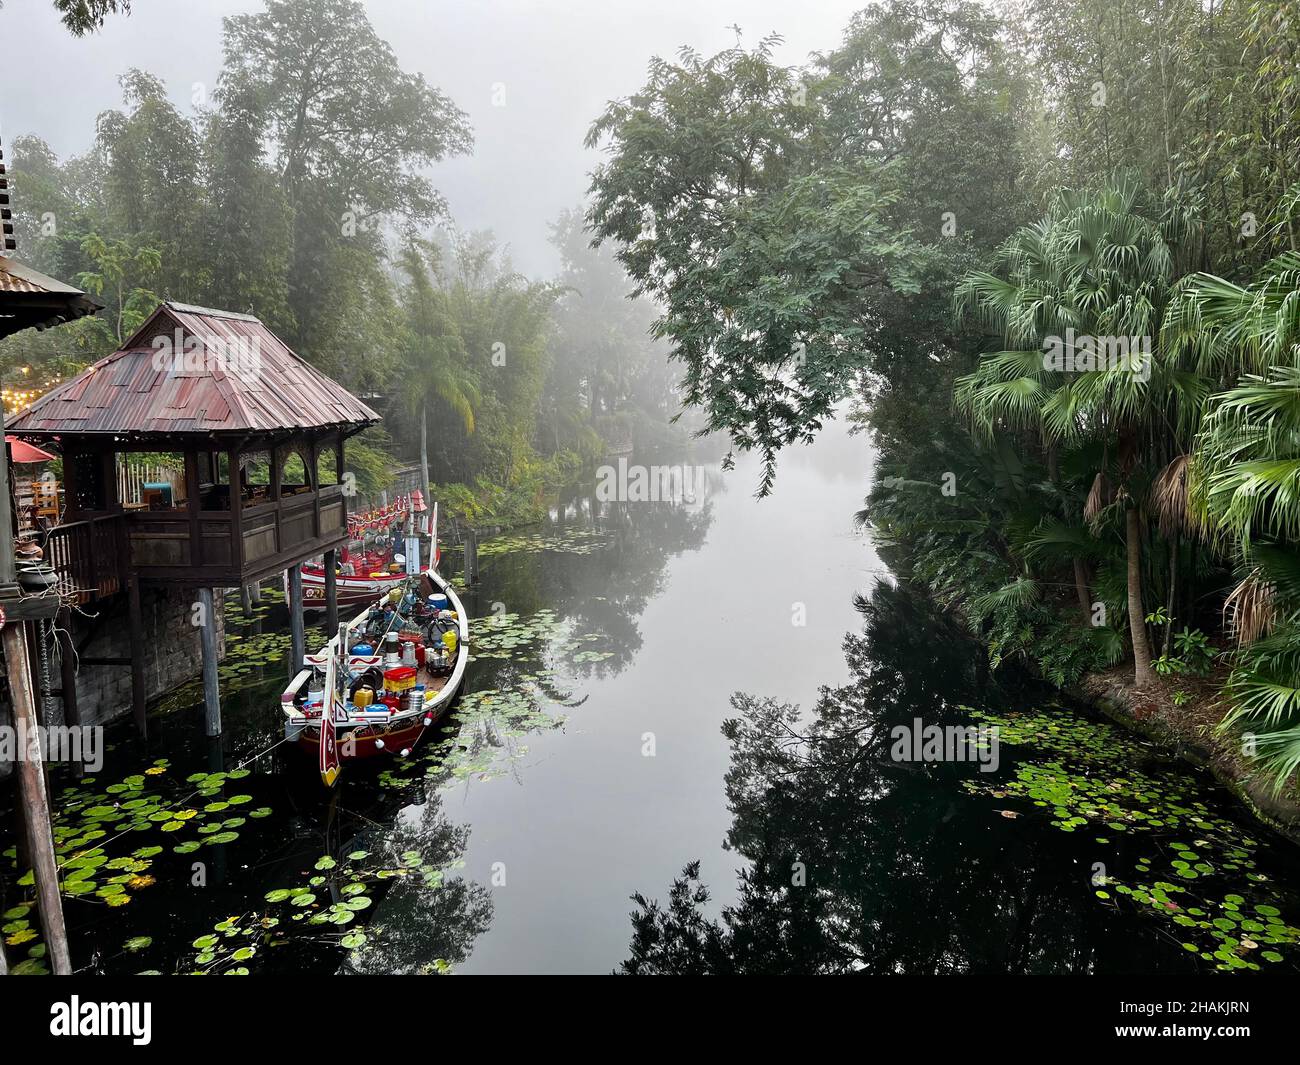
x: 256, y: 438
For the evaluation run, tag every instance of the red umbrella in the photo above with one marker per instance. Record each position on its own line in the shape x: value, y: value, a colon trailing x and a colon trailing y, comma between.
x: 25, y: 452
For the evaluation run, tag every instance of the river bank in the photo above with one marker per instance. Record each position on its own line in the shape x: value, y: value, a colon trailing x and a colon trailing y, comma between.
x: 1186, y: 727
x: 1190, y: 732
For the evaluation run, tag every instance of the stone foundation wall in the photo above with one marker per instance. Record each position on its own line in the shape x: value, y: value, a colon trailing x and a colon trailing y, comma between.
x: 173, y: 654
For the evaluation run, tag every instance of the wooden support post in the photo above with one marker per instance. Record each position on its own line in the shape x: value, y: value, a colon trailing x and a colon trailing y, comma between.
x: 208, y: 640
x: 68, y: 668
x: 32, y: 796
x: 298, y: 640
x: 331, y: 590
x: 255, y: 592
x: 8, y: 564
x: 139, y: 691
x: 68, y: 677
x: 471, y: 556
x: 245, y: 599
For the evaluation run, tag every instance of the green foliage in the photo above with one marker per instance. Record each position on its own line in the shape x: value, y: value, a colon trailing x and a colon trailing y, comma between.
x: 368, y: 459
x: 86, y: 16
x: 121, y: 268
x: 1195, y: 650
x: 325, y: 162
x: 521, y: 502
x: 1263, y: 691
x: 773, y: 211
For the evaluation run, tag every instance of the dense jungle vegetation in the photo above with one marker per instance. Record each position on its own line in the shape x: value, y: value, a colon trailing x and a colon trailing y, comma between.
x: 1047, y: 251
x: 252, y: 201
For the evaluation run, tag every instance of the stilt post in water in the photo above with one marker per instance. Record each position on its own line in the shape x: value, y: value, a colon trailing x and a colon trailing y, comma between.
x: 298, y: 639
x: 68, y: 668
x: 32, y: 796
x: 471, y: 555
x: 139, y: 692
x: 331, y: 590
x: 208, y: 642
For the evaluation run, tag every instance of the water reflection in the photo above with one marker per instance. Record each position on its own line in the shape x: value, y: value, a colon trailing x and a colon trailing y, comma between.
x: 428, y: 921
x: 858, y: 863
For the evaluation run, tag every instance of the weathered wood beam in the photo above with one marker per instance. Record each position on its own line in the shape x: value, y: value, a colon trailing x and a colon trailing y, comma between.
x: 35, y: 802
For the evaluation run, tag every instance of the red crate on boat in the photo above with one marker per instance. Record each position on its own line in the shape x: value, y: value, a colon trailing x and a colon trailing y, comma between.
x: 399, y: 678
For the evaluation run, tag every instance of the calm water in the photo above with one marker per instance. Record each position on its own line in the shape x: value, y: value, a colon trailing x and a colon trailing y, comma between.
x: 587, y: 763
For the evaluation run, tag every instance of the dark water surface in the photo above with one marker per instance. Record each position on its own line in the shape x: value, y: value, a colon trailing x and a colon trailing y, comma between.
x: 587, y: 762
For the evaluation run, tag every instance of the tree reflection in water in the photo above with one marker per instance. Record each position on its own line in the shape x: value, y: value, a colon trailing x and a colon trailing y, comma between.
x: 901, y: 870
x: 419, y: 930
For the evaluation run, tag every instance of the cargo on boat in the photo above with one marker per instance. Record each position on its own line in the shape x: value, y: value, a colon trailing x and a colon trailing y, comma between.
x: 388, y: 674
x: 369, y: 566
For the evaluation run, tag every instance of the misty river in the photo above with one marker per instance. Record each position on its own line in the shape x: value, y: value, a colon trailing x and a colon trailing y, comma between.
x: 586, y: 763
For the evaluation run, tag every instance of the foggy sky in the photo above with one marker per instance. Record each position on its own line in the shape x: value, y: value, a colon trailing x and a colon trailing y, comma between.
x: 559, y: 60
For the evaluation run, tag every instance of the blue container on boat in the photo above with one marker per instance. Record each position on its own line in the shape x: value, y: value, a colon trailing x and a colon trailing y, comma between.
x: 362, y: 649
x: 437, y: 602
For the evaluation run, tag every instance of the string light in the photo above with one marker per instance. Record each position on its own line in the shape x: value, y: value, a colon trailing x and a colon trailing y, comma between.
x: 16, y: 399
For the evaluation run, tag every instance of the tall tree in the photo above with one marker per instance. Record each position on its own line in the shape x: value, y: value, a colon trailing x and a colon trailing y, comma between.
x: 350, y: 135
x: 786, y: 219
x: 1078, y: 293
x: 153, y: 187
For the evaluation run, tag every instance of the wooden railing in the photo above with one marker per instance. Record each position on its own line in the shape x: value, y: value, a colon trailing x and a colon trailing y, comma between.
x: 85, y: 555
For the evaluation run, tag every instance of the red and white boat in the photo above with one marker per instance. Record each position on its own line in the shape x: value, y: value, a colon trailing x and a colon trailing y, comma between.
x: 323, y: 697
x: 365, y: 575
x: 370, y: 580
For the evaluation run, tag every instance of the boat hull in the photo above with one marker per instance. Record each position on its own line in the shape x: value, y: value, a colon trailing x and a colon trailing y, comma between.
x: 351, y: 591
x: 362, y: 739
x: 368, y: 741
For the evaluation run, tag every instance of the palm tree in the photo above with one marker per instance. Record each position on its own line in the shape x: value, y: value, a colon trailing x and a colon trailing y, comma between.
x: 1244, y: 486
x: 1097, y: 271
x: 434, y: 358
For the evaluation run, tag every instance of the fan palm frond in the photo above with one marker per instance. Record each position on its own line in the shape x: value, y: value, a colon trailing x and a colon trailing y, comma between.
x: 1099, y: 497
x: 1249, y: 611
x: 1169, y: 498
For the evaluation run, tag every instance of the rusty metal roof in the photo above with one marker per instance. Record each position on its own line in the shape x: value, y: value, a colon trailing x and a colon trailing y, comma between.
x: 30, y: 300
x: 195, y: 371
x: 16, y: 277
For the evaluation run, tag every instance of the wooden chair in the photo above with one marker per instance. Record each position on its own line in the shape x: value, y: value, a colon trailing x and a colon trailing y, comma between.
x: 45, y: 500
